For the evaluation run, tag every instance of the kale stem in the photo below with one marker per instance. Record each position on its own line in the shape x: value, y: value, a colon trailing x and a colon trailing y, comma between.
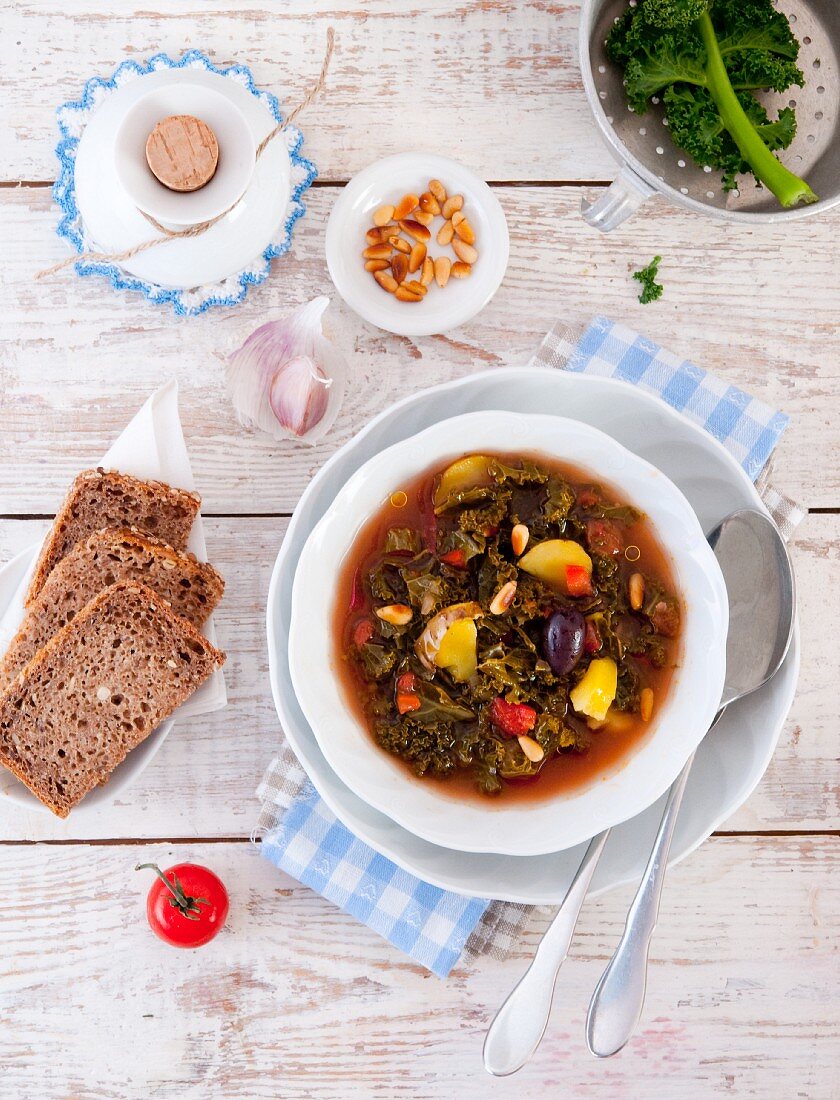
x: 788, y: 188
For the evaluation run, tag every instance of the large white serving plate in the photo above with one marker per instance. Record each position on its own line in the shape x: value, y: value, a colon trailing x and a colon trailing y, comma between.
x: 729, y: 762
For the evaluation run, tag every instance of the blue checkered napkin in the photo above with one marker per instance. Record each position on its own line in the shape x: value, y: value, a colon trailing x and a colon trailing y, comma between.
x: 427, y: 923
x: 302, y: 837
x: 748, y: 428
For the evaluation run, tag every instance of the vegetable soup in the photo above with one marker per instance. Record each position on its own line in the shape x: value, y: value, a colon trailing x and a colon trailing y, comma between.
x: 507, y: 626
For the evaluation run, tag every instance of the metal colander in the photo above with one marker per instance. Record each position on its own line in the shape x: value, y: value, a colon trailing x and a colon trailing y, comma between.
x: 651, y: 163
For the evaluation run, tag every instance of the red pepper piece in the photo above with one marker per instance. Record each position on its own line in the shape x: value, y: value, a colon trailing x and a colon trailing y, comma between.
x: 587, y: 497
x: 407, y: 703
x: 357, y: 592
x: 604, y: 537
x: 578, y: 582
x: 512, y: 719
x: 362, y: 632
x: 454, y: 557
x: 407, y: 699
x: 591, y: 639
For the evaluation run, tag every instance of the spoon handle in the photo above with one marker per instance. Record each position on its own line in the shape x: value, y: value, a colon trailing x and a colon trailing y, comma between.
x: 520, y: 1023
x: 619, y: 996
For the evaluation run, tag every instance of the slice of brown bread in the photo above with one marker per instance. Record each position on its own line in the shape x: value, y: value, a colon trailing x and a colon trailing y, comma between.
x: 104, y: 498
x: 193, y: 588
x: 96, y: 690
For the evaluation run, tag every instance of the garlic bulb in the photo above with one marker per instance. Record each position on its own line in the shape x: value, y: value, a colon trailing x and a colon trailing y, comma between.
x: 287, y: 379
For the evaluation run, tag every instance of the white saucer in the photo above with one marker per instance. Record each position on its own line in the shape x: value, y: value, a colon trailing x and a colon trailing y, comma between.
x: 386, y: 181
x: 729, y: 762
x: 112, y: 222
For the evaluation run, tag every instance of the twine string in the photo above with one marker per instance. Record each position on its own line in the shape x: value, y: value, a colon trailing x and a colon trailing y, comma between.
x: 201, y: 227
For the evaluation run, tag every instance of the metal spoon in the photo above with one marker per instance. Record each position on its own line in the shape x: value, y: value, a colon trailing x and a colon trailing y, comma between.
x: 520, y: 1023
x: 759, y: 581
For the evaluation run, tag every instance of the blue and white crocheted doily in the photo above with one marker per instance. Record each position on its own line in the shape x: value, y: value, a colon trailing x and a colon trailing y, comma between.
x: 72, y: 118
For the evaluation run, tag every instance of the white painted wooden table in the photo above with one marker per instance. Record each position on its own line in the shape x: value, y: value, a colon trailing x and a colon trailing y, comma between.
x: 295, y: 999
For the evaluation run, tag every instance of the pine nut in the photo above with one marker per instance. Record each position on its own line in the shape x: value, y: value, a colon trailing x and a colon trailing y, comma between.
x: 377, y: 252
x: 416, y: 287
x: 532, y: 749
x: 646, y: 704
x: 386, y: 281
x: 636, y: 590
x: 405, y: 295
x: 445, y: 233
x: 397, y: 614
x: 376, y: 265
x: 464, y: 251
x: 418, y: 255
x: 383, y: 215
x: 400, y: 244
x: 415, y: 229
x: 438, y: 190
x: 422, y: 217
x: 461, y: 270
x: 453, y: 203
x: 428, y: 272
x: 457, y: 218
x: 503, y: 598
x: 399, y: 266
x: 443, y: 266
x: 379, y: 236
x: 519, y: 538
x: 405, y: 206
x: 429, y: 204
x: 464, y: 230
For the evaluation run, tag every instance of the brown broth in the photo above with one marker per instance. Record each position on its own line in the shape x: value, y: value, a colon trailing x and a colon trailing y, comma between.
x: 567, y: 771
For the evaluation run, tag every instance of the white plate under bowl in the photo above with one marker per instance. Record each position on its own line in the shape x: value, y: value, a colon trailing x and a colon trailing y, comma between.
x: 113, y: 223
x: 385, y: 182
x: 731, y: 759
x: 11, y: 788
x: 498, y: 825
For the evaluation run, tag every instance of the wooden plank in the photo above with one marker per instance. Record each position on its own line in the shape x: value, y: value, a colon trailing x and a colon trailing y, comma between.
x: 79, y: 359
x: 202, y: 782
x: 496, y: 84
x: 295, y: 999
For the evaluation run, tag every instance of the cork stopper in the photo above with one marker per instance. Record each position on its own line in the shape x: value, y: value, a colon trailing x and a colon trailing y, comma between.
x: 182, y: 153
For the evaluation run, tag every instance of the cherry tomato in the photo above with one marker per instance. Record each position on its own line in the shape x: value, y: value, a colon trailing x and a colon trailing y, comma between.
x: 187, y: 905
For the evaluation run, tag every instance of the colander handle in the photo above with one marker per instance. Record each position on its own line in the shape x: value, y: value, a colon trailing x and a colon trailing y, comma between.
x: 623, y: 197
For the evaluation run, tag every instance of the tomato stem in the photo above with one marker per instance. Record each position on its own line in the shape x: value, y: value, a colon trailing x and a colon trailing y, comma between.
x: 188, y: 906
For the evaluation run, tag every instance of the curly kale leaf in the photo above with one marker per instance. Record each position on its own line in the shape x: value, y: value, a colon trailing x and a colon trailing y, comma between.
x: 402, y: 540
x: 704, y: 58
x: 651, y: 289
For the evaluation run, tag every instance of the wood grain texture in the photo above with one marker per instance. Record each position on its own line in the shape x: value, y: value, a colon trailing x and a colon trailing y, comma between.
x: 297, y: 1000
x: 202, y: 782
x: 84, y: 358
x: 494, y: 83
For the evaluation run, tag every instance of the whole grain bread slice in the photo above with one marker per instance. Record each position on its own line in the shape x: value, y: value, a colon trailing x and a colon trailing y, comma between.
x: 193, y: 588
x: 97, y: 689
x: 105, y: 498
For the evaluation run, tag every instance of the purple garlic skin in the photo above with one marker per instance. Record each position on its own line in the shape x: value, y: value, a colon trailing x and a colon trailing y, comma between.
x: 298, y: 395
x: 287, y: 378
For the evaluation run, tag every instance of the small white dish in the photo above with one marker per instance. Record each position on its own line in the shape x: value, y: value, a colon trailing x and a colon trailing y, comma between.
x: 385, y: 182
x: 113, y: 223
x: 730, y: 760
x: 494, y: 825
x: 237, y: 151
